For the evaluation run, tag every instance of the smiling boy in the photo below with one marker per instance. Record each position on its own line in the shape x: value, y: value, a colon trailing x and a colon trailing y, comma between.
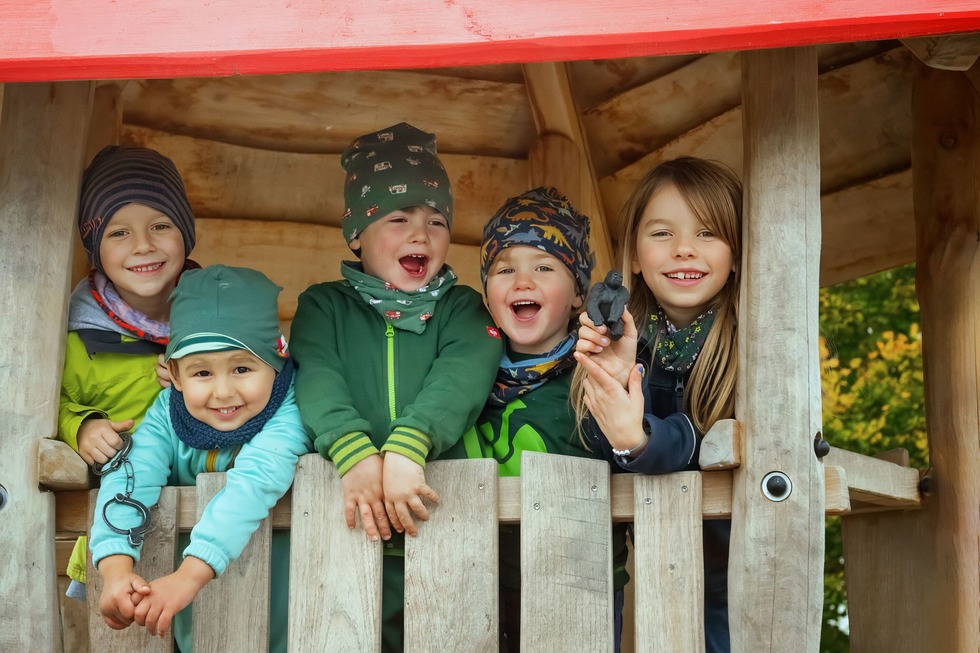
x: 394, y: 362
x: 231, y: 409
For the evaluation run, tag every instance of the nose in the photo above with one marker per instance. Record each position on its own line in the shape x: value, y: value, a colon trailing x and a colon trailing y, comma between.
x: 420, y: 232
x: 523, y: 280
x: 142, y: 242
x: 224, y: 387
x: 684, y: 247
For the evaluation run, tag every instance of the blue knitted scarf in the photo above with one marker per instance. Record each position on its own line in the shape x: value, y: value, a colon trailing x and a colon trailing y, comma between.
x: 195, y: 433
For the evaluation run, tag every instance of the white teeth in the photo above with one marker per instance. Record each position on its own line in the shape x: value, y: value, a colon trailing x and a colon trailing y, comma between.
x: 685, y: 275
x: 525, y: 303
x: 227, y: 411
x: 146, y: 268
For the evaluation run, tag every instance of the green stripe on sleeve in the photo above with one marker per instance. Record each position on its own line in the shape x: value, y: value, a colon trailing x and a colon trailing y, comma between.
x: 350, y: 450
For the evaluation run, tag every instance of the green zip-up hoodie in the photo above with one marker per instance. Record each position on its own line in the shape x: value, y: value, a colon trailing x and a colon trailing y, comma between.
x: 364, y: 386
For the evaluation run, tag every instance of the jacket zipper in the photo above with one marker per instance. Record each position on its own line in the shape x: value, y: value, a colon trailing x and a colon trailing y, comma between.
x: 390, y: 336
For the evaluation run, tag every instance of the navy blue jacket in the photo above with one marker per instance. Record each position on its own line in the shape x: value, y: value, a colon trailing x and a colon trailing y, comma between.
x: 674, y: 446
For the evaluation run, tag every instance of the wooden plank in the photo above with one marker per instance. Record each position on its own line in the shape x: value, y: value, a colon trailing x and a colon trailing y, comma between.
x: 59, y: 467
x: 156, y: 560
x: 935, y: 548
x: 338, y: 566
x: 950, y: 52
x: 565, y: 162
x: 566, y: 554
x: 877, y: 481
x: 595, y: 81
x: 232, y: 611
x: 297, y: 255
x: 324, y: 112
x: 837, y: 498
x: 74, y: 619
x: 669, y: 562
x: 232, y: 181
x: 455, y: 555
x: 42, y: 128
x: 721, y: 446
x: 38, y: 41
x: 777, y: 547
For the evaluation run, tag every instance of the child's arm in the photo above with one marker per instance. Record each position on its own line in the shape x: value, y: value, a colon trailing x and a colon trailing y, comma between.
x: 618, y: 421
x: 122, y: 591
x: 615, y: 357
x: 404, y: 488
x: 170, y: 594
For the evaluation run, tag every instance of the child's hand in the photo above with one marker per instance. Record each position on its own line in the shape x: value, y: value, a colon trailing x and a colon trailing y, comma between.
x: 363, y: 494
x: 122, y: 590
x: 99, y: 440
x: 170, y: 594
x: 615, y: 357
x: 163, y: 372
x: 404, y: 487
x: 617, y: 411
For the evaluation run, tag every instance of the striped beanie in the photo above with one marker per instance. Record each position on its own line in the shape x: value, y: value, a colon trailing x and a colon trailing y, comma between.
x: 544, y: 219
x: 120, y: 175
x: 219, y: 308
x: 394, y: 168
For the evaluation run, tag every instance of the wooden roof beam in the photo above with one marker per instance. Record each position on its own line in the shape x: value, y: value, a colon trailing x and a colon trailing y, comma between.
x: 950, y: 52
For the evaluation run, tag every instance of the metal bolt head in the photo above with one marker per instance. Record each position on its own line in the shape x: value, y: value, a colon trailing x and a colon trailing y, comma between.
x: 648, y: 501
x: 480, y: 486
x: 4, y: 497
x: 537, y: 506
x: 683, y: 488
x: 595, y: 488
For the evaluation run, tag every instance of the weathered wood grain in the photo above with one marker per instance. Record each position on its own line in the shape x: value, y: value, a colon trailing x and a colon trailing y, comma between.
x: 596, y: 81
x: 875, y: 481
x: 669, y: 563
x: 156, y: 560
x: 59, y: 467
x: 234, y: 181
x: 232, y: 611
x: 776, y: 557
x: 948, y: 52
x: 566, y: 554
x: 42, y: 142
x: 455, y: 555
x: 335, y: 569
x: 721, y: 447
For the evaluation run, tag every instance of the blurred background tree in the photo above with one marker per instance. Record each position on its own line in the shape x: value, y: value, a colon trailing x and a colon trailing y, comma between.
x: 871, y: 375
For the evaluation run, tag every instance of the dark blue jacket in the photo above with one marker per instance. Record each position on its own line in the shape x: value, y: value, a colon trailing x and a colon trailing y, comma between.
x: 674, y: 446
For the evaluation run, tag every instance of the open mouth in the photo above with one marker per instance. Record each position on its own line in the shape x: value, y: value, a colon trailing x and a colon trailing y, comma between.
x: 525, y: 310
x: 226, y: 412
x: 684, y: 276
x: 142, y: 269
x: 415, y: 264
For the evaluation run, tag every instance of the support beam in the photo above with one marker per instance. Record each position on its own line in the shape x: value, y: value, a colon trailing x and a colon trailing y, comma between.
x: 950, y: 52
x: 42, y: 141
x: 775, y: 576
x: 932, y: 554
x: 560, y: 157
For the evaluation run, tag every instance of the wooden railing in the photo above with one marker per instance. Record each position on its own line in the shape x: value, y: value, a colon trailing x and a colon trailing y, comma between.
x: 564, y: 505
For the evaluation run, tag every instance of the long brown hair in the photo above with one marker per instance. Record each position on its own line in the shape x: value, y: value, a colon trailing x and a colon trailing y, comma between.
x: 714, y: 195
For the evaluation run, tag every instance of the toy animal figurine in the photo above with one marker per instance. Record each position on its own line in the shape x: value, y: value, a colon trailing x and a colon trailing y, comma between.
x: 606, y: 303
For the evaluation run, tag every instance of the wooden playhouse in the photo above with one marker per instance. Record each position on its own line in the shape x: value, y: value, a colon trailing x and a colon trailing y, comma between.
x: 855, y: 126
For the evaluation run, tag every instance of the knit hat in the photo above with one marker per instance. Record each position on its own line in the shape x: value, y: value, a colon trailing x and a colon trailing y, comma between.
x: 545, y: 219
x: 120, y: 175
x: 220, y: 308
x: 392, y: 169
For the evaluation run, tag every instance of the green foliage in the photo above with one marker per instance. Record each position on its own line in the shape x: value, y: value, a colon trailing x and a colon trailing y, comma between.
x: 871, y: 375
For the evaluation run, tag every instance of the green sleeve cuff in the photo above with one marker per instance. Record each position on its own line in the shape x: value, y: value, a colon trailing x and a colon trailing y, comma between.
x: 350, y: 450
x: 69, y: 431
x: 411, y: 443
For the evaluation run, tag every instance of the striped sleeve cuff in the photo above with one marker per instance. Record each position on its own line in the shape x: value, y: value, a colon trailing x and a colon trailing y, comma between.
x: 411, y: 443
x: 350, y: 450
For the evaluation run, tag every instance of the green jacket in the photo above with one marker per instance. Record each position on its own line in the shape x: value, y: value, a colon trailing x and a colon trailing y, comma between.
x: 364, y: 386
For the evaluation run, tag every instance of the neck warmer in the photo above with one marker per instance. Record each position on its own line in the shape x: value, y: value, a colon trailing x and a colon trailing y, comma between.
x: 407, y: 310
x: 195, y: 433
x: 677, y: 349
x: 516, y: 379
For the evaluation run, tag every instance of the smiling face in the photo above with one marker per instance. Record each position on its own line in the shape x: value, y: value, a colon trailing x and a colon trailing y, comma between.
x: 142, y: 253
x: 683, y: 263
x: 405, y: 248
x: 531, y: 294
x: 223, y: 389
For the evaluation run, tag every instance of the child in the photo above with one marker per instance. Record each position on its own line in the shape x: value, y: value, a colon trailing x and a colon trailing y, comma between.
x: 682, y: 246
x: 536, y: 267
x: 231, y: 408
x: 395, y: 361
x: 138, y: 229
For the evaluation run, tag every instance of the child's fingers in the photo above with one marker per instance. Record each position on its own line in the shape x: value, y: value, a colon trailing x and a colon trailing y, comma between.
x: 139, y: 585
x: 405, y: 515
x: 163, y: 623
x: 381, y: 519
x: 396, y: 523
x: 121, y: 426
x: 629, y: 326
x: 112, y: 622
x: 416, y: 505
x: 350, y: 512
x: 429, y: 493
x: 367, y: 521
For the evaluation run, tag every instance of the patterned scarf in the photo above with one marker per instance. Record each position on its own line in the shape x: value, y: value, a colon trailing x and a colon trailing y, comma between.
x: 678, y: 349
x: 133, y: 321
x: 516, y: 379
x: 407, y: 310
x: 195, y: 433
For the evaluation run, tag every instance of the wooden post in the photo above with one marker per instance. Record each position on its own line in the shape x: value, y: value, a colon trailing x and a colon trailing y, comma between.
x: 42, y: 139
x: 913, y: 578
x: 776, y: 571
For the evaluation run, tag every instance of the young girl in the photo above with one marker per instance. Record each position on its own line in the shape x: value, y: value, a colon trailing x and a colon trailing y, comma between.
x: 650, y: 396
x: 536, y: 267
x: 138, y: 229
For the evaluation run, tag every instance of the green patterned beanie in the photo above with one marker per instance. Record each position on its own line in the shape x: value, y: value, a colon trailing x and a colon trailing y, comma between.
x: 392, y: 169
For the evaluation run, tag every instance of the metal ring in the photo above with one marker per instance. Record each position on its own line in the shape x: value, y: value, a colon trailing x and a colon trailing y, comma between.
x: 101, y: 469
x: 135, y: 533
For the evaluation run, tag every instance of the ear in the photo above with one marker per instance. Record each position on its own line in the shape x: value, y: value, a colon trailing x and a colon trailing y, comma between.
x: 577, y: 302
x: 634, y: 266
x: 355, y: 245
x: 174, y: 374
